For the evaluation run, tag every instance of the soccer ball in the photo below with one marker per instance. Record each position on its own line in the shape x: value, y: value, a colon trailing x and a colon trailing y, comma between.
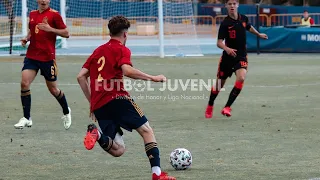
x: 181, y: 159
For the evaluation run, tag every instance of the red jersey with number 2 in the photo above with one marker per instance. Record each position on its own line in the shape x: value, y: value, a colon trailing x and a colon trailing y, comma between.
x: 42, y: 43
x: 106, y: 76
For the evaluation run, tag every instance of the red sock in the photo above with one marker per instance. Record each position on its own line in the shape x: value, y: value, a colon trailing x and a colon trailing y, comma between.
x: 238, y: 84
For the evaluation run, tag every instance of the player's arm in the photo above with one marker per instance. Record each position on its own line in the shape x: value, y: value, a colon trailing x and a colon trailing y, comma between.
x: 59, y: 28
x: 84, y: 83
x: 131, y: 72
x: 222, y: 35
x: 61, y: 32
x: 134, y: 73
x: 252, y: 30
x: 255, y: 32
x: 26, y: 39
x: 28, y: 35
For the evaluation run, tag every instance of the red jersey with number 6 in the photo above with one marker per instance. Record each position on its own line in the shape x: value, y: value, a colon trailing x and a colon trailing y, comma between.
x: 42, y: 43
x: 106, y: 76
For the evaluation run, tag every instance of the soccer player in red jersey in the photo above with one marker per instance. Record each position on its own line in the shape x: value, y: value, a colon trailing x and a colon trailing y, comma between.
x: 234, y: 58
x: 44, y: 25
x: 111, y: 104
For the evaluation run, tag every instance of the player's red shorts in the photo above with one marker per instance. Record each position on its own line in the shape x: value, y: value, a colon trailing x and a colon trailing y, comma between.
x: 229, y: 65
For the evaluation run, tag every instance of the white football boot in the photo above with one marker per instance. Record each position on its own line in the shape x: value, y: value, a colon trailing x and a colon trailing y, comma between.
x: 67, y: 119
x: 23, y: 122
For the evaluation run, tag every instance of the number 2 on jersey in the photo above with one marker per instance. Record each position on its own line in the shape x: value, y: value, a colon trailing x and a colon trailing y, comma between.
x: 101, y: 62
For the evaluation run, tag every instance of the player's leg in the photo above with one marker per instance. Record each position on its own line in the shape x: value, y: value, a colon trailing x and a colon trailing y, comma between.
x: 28, y: 74
x: 152, y: 151
x: 108, y: 138
x: 222, y: 74
x: 110, y: 134
x: 49, y: 71
x: 213, y: 95
x: 151, y: 147
x: 241, y: 71
x: 132, y: 117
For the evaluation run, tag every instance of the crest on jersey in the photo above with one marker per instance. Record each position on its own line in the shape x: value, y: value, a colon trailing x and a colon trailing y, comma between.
x: 244, y: 24
x: 45, y: 20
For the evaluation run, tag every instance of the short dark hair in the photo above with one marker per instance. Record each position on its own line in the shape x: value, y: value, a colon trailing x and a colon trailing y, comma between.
x: 117, y: 24
x: 229, y: 0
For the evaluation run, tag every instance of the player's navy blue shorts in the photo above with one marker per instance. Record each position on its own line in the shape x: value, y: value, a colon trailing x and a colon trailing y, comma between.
x: 48, y: 69
x: 229, y: 65
x: 120, y: 112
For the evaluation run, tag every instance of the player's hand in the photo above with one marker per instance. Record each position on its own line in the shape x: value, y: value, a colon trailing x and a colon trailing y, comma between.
x: 231, y: 52
x: 45, y: 27
x: 159, y: 78
x: 263, y: 36
x: 24, y: 42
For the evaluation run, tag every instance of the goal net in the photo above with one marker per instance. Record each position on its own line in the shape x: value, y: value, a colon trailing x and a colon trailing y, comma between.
x: 87, y: 22
x: 14, y: 25
x: 10, y: 24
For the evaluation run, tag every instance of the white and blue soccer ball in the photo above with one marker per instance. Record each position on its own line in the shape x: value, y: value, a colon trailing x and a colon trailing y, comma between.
x: 181, y: 159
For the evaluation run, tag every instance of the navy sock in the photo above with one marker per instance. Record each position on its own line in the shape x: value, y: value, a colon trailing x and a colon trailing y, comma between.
x: 26, y: 103
x: 61, y: 98
x: 105, y: 142
x: 153, y: 154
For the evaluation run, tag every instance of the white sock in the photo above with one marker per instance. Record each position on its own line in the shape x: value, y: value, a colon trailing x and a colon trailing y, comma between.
x: 156, y: 170
x: 99, y: 133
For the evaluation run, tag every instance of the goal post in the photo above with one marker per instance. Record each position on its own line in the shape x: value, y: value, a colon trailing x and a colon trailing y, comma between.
x: 24, y: 17
x: 161, y: 29
x: 158, y: 27
x: 63, y: 5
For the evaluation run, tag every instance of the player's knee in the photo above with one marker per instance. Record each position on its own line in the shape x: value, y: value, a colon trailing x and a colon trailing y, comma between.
x: 25, y: 84
x: 241, y: 78
x: 119, y: 152
x: 54, y: 91
x: 147, y: 131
